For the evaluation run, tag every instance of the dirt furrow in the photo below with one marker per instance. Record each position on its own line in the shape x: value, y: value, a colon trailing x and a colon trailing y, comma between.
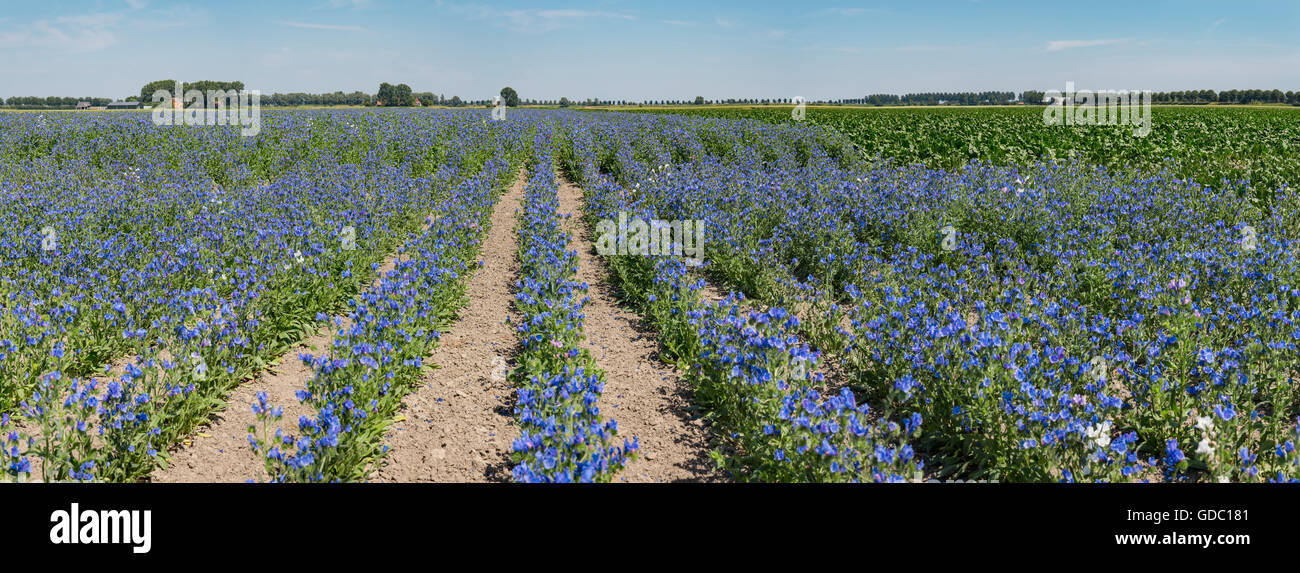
x: 219, y: 451
x: 648, y: 398
x: 459, y: 426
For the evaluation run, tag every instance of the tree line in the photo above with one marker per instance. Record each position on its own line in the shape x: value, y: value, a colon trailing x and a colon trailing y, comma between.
x: 52, y: 102
x: 938, y: 98
x: 984, y: 98
x: 1243, y: 97
x: 169, y: 86
x: 401, y: 95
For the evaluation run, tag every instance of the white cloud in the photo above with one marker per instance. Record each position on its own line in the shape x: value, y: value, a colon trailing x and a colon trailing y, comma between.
x: 829, y: 48
x: 137, y: 4
x: 1057, y: 45
x: 354, y: 4
x: 532, y: 20
x: 177, y: 16
x: 549, y: 20
x: 932, y: 48
x: 843, y: 12
x: 679, y: 22
x: 333, y: 27
x: 91, y: 20
x: 923, y: 48
x: 73, y: 34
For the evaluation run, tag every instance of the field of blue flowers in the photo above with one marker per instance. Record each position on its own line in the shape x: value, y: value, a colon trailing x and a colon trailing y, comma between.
x: 1051, y: 321
x: 1047, y: 322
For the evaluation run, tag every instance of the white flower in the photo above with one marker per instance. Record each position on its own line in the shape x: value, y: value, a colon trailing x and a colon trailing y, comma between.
x: 1204, y: 423
x: 1224, y: 479
x: 1100, y: 434
x: 499, y: 369
x: 297, y: 256
x: 200, y: 366
x: 1205, y: 448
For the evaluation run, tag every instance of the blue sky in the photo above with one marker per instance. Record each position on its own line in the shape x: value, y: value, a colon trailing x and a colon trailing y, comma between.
x: 648, y: 50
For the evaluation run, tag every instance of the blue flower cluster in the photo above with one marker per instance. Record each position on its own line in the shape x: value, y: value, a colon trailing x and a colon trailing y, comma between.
x: 1053, y: 321
x: 756, y: 378
x: 563, y: 437
x: 374, y: 362
x: 190, y: 257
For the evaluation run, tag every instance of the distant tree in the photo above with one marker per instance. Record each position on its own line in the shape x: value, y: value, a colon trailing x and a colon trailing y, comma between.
x: 455, y: 101
x: 564, y: 102
x: 699, y: 100
x: 402, y: 96
x: 146, y: 92
x: 510, y: 96
x: 205, y: 86
x: 385, y: 95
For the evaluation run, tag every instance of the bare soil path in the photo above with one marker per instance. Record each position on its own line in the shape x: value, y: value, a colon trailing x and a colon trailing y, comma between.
x: 648, y: 398
x: 459, y: 426
x: 219, y: 452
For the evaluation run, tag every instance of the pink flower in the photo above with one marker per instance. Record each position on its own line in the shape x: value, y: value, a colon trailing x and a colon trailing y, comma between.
x: 556, y: 344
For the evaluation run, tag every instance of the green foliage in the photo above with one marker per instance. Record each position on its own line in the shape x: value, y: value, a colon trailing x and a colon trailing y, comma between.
x: 146, y: 92
x: 510, y: 96
x: 385, y: 95
x: 1221, y: 147
x: 402, y: 96
x: 399, y: 95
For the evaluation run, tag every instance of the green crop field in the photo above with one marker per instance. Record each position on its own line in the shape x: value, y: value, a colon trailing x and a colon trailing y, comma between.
x: 1256, y: 147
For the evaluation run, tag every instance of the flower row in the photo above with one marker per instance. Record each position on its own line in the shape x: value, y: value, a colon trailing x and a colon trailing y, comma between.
x: 563, y: 437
